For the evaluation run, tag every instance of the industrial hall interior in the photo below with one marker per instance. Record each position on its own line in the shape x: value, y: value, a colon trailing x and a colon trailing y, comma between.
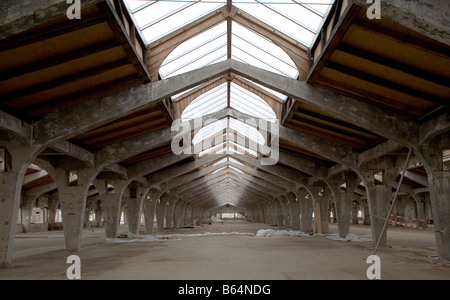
x: 228, y: 139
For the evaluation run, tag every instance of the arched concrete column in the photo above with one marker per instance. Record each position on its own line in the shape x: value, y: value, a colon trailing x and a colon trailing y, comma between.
x: 111, y: 201
x: 161, y: 210
x: 379, y: 191
x: 438, y: 175
x: 73, y: 201
x: 306, y: 211
x: 27, y: 202
x: 150, y: 208
x: 53, y: 201
x: 170, y: 209
x: 294, y: 204
x: 19, y: 154
x: 423, y: 204
x: 133, y: 198
x: 285, y: 211
x: 343, y: 199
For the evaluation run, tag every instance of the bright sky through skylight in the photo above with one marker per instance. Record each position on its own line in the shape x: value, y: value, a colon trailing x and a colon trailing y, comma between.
x: 295, y: 19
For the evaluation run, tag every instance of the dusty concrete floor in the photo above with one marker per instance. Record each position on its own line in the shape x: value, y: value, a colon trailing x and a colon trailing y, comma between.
x: 227, y: 257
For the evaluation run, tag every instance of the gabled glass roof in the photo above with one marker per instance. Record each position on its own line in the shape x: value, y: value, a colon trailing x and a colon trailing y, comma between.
x: 227, y: 37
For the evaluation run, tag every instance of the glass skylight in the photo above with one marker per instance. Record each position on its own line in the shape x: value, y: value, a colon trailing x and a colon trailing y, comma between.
x: 240, y: 99
x: 236, y: 134
x: 204, y: 49
x: 298, y: 19
x: 256, y: 50
x: 209, y: 102
x: 251, y: 104
x: 156, y: 19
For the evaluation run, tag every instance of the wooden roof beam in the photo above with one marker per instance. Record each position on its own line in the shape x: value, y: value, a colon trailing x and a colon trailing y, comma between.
x: 367, y: 116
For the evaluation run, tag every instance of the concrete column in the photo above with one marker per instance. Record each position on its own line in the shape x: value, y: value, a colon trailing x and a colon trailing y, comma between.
x: 186, y: 213
x: 11, y: 180
x: 380, y: 195
x: 169, y: 215
x: 176, y: 214
x: 400, y: 205
x: 295, y: 210
x: 343, y: 199
x: 262, y: 213
x: 26, y: 206
x: 365, y: 205
x: 52, y: 204
x: 150, y: 208
x: 43, y: 205
x: 73, y: 202
x: 111, y: 213
x: 281, y: 213
x: 111, y: 203
x: 161, y: 210
x: 439, y: 184
x: 323, y: 197
x: 325, y: 209
x: 306, y: 210
x: 133, y: 207
x: 286, y: 211
x: 87, y: 214
x: 273, y: 212
x: 354, y: 212
x: 98, y: 214
x: 179, y: 213
x: 422, y: 207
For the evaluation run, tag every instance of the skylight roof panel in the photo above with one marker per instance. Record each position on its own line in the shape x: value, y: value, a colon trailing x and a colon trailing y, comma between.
x: 205, y: 48
x: 247, y: 131
x: 165, y: 17
x: 209, y: 130
x: 196, y: 59
x: 209, y: 102
x: 289, y: 17
x: 245, y: 35
x: 249, y: 103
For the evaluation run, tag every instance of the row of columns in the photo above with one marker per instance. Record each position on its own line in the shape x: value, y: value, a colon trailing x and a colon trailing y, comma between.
x: 73, y: 197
